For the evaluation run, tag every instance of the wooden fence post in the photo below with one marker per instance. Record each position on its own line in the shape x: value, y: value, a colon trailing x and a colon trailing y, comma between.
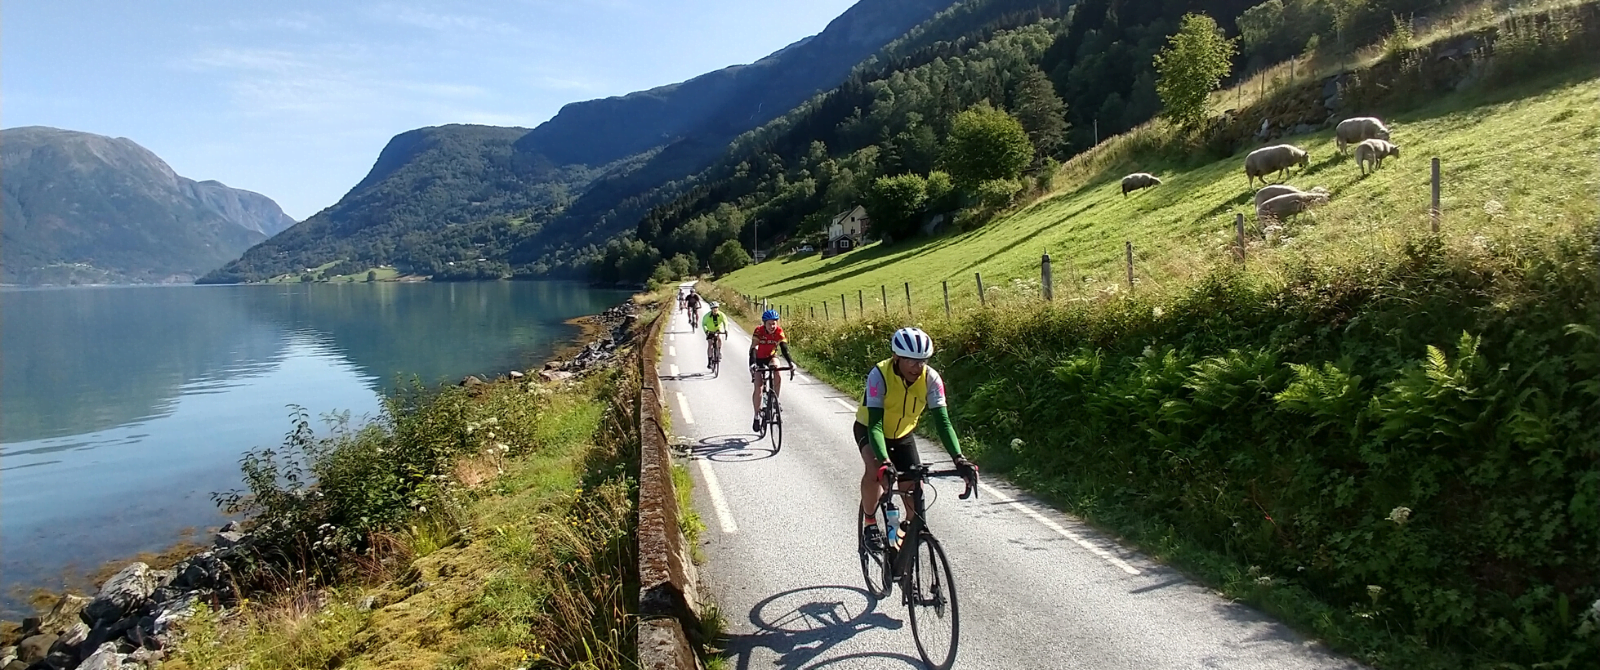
x: 826, y: 316
x: 844, y: 309
x: 981, y: 299
x: 1128, y: 245
x: 908, y: 300
x: 884, y: 289
x: 1238, y: 231
x: 1434, y: 210
x: 946, y: 284
x: 1044, y: 278
x: 861, y: 303
x: 813, y: 311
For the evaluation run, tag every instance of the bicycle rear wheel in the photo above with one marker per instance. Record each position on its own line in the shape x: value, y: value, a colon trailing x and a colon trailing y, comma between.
x: 874, y: 563
x: 935, y: 616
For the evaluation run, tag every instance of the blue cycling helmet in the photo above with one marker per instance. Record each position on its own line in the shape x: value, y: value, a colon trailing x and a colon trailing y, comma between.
x: 769, y: 315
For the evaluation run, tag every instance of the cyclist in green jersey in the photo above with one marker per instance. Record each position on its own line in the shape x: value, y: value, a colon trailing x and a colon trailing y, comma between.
x: 716, y: 325
x: 898, y: 391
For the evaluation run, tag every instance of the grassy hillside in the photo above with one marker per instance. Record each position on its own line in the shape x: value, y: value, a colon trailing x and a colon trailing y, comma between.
x: 1515, y: 157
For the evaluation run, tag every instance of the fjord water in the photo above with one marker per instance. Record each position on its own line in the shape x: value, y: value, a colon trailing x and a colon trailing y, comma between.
x: 123, y: 408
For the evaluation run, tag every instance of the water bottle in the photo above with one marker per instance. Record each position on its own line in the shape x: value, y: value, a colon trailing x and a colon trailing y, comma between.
x: 892, y: 519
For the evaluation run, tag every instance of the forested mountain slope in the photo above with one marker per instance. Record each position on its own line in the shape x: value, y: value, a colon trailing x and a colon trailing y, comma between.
x: 539, y: 202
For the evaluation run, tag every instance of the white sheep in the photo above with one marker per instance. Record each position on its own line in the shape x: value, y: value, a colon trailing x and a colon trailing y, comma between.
x: 1289, y: 205
x: 1352, y: 131
x: 1138, y: 180
x: 1276, y: 158
x: 1275, y: 190
x: 1374, y: 151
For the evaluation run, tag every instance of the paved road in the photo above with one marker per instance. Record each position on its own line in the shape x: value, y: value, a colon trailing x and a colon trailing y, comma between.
x: 1038, y: 589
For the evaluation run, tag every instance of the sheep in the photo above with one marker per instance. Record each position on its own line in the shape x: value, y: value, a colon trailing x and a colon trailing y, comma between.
x: 1289, y: 204
x: 1138, y: 180
x: 1351, y: 131
x: 1276, y: 190
x: 1276, y: 158
x: 1374, y: 151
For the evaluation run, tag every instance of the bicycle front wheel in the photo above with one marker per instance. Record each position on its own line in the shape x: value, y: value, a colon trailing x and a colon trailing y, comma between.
x: 935, y: 615
x: 874, y: 562
x: 776, y: 429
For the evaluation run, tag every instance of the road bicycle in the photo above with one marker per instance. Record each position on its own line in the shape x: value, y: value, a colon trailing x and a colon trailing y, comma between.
x: 694, y: 318
x: 716, y: 352
x: 771, y: 411
x: 918, y: 564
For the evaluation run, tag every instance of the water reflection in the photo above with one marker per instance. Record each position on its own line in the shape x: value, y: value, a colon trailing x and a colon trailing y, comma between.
x: 122, y: 409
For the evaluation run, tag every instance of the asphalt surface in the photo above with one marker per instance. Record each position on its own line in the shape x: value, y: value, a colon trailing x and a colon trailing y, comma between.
x: 1037, y: 588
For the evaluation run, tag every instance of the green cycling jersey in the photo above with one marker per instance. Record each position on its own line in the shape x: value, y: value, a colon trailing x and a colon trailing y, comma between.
x: 713, y: 322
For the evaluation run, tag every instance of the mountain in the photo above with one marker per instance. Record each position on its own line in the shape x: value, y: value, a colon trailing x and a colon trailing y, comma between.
x: 542, y: 201
x: 85, y: 208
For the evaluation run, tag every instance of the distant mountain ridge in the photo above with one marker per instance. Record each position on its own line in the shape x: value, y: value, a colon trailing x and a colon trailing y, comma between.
x: 85, y: 208
x: 439, y: 199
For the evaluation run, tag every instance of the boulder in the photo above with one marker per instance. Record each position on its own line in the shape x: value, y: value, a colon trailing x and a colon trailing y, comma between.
x: 14, y: 664
x: 71, y: 639
x: 201, y: 571
x: 514, y: 374
x: 124, y: 593
x: 7, y: 655
x: 174, y: 611
x: 228, y: 538
x: 471, y: 380
x: 105, y: 657
x: 68, y: 610
x: 35, y: 648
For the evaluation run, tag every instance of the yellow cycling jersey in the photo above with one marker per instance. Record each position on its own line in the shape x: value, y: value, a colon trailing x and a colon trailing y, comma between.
x: 902, y: 403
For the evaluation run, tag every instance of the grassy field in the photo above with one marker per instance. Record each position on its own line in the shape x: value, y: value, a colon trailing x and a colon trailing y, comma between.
x: 1513, y: 158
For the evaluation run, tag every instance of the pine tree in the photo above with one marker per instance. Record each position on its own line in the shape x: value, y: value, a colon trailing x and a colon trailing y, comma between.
x: 1041, y: 112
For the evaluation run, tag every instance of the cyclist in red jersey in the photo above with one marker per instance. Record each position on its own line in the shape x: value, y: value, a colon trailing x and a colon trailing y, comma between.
x: 765, y: 342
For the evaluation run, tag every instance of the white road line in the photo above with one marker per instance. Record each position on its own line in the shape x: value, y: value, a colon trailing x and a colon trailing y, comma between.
x: 683, y: 404
x: 673, y: 368
x: 672, y: 351
x: 1062, y: 531
x: 848, y: 406
x: 672, y: 337
x: 724, y: 513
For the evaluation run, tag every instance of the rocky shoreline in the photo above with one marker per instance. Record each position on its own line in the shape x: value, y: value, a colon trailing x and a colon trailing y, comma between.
x: 129, y: 623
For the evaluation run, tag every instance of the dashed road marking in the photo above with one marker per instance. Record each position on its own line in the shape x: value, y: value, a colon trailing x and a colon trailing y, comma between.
x: 720, y: 504
x: 847, y: 405
x: 1052, y: 525
x: 683, y: 404
x: 673, y: 368
x: 672, y: 351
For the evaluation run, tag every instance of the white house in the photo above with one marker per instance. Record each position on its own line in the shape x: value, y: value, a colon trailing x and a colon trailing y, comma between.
x: 848, y: 230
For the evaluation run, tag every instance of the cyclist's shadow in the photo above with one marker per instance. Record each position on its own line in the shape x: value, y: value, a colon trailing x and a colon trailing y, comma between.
x: 800, y: 625
x: 732, y: 449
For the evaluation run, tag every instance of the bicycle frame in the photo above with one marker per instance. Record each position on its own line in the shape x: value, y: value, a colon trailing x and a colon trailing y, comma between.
x: 917, y: 524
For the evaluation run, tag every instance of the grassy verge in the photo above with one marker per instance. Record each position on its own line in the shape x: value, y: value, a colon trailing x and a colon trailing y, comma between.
x: 498, y: 533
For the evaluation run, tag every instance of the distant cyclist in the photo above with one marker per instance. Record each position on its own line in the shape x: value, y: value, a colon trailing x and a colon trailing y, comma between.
x: 767, y: 339
x: 715, y: 325
x: 683, y: 295
x: 898, y: 391
x: 693, y: 300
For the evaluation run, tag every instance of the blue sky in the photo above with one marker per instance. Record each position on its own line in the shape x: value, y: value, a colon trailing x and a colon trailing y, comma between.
x: 295, y: 99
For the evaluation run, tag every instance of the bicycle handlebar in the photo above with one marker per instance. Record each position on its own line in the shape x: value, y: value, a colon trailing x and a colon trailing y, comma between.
x: 921, y: 472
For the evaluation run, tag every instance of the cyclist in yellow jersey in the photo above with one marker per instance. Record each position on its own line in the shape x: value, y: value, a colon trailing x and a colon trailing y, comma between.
x: 716, y: 325
x: 898, y: 391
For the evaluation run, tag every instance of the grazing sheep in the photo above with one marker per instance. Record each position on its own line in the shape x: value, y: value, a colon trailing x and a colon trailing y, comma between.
x: 1374, y: 151
x: 1138, y: 180
x: 1351, y: 131
x: 1276, y: 158
x: 1276, y: 190
x: 1289, y: 205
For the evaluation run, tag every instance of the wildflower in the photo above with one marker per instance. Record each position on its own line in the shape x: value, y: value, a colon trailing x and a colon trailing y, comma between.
x: 1493, y: 208
x: 1157, y: 312
x: 1400, y: 515
x: 1373, y: 591
x: 1264, y: 580
x: 1149, y: 351
x: 1017, y: 443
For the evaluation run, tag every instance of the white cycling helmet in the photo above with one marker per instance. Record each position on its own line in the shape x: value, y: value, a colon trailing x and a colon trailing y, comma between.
x: 911, y: 343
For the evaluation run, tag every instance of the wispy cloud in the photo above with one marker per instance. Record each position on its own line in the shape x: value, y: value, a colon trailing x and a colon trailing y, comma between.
x: 419, y: 17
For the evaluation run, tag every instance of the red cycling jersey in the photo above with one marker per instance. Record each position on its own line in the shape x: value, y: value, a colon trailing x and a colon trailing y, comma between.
x: 766, y: 343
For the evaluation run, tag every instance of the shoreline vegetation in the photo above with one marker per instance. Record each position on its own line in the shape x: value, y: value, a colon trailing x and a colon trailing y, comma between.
x: 482, y: 524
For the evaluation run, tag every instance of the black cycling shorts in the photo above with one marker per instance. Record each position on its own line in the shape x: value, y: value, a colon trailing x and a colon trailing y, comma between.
x: 902, y: 450
x: 711, y: 334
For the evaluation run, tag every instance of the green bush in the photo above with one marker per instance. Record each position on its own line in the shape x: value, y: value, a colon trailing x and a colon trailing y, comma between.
x: 1413, y: 443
